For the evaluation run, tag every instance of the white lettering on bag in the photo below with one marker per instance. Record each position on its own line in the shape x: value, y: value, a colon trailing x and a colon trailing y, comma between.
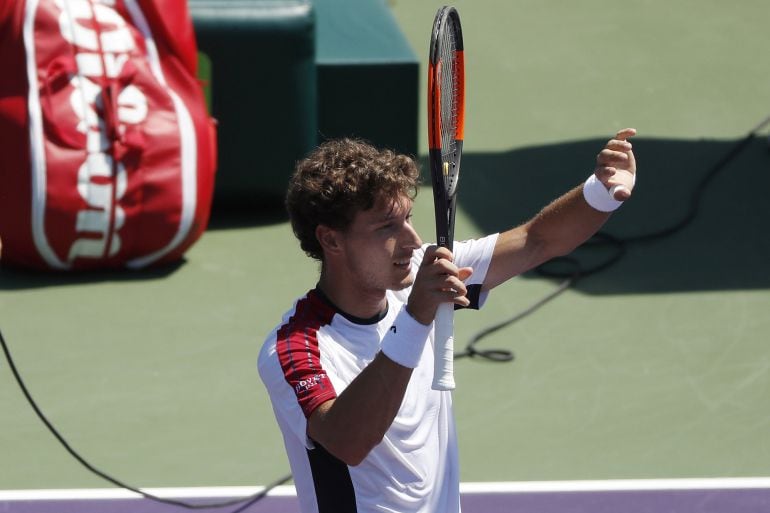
x: 102, y: 182
x: 113, y: 35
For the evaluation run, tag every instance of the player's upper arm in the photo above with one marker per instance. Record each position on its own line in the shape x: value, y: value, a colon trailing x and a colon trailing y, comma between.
x: 315, y: 422
x: 322, y: 429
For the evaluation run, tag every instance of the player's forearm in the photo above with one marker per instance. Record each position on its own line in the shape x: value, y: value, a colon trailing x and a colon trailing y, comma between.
x: 564, y: 225
x: 559, y: 228
x: 571, y: 220
x: 350, y: 426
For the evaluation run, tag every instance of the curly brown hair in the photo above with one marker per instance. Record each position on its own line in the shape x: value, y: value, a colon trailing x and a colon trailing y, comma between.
x: 340, y: 178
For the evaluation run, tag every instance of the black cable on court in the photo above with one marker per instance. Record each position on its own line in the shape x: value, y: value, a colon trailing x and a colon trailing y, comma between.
x: 569, y: 269
x: 245, y: 502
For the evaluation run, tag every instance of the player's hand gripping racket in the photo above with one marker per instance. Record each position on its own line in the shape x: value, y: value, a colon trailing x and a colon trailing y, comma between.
x: 446, y: 116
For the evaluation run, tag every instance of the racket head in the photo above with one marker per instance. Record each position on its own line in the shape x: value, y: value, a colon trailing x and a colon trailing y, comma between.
x: 446, y: 117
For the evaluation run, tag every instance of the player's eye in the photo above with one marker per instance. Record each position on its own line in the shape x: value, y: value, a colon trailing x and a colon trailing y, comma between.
x: 386, y: 227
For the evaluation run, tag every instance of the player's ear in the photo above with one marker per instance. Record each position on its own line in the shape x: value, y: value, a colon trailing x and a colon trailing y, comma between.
x: 329, y: 239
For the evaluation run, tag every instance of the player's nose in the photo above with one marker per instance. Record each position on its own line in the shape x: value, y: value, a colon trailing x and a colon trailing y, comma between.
x: 411, y: 238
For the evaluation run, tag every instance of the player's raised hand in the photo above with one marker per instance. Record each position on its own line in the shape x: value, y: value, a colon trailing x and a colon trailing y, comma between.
x: 616, y: 165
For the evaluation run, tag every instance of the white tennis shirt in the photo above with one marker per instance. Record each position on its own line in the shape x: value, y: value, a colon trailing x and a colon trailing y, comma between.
x: 314, y: 354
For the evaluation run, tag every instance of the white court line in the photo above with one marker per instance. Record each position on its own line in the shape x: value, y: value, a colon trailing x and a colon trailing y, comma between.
x: 611, y: 485
x: 717, y: 483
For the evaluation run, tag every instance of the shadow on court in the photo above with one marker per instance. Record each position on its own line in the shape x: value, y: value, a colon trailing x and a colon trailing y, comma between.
x: 269, y: 211
x: 19, y: 279
x: 726, y: 246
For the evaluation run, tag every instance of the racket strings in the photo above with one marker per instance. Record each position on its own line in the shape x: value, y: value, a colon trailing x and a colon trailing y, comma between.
x: 450, y: 104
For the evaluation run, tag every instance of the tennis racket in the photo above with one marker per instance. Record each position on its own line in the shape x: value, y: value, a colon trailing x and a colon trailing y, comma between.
x: 446, y: 117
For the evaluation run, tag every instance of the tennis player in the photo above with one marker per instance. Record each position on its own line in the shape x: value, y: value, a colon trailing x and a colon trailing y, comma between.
x: 349, y: 368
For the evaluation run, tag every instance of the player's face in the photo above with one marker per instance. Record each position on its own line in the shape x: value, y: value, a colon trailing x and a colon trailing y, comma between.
x: 379, y: 245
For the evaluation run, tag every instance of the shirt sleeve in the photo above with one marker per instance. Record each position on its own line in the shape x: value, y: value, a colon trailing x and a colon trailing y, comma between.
x: 289, y: 366
x: 288, y: 412
x: 477, y: 254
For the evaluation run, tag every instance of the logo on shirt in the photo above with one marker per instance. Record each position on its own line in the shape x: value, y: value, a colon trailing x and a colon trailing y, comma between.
x: 304, y: 385
x: 393, y: 328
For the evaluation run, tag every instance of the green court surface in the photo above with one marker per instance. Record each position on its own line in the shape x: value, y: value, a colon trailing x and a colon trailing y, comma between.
x: 655, y: 368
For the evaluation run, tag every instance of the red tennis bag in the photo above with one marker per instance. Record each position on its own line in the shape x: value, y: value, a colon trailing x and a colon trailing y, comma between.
x: 107, y: 153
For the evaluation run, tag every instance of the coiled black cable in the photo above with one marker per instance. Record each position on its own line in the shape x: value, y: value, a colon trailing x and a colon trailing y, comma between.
x: 570, y: 269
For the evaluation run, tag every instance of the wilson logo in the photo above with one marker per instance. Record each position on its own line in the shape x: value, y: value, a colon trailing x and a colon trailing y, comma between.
x: 120, y: 153
x: 102, y: 43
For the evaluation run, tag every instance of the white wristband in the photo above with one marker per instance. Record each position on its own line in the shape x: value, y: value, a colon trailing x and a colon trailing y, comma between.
x: 405, y: 340
x: 597, y: 195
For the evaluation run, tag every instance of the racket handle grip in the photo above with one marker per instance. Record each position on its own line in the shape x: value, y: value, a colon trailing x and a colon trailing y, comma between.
x: 443, y: 348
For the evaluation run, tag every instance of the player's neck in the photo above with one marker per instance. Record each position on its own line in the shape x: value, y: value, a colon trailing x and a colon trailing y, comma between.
x: 351, y: 299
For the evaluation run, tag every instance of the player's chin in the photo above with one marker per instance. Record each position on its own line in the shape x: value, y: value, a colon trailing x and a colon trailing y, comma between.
x: 403, y: 278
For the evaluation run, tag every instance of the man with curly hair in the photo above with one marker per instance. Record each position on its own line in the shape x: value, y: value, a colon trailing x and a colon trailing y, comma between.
x: 349, y: 367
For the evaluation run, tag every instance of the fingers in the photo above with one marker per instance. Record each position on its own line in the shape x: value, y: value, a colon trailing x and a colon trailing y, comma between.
x: 613, y: 158
x: 620, y: 192
x: 438, y: 281
x: 616, y: 153
x: 453, y: 290
x: 446, y: 278
x: 625, y: 133
x: 436, y: 252
x: 616, y: 165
